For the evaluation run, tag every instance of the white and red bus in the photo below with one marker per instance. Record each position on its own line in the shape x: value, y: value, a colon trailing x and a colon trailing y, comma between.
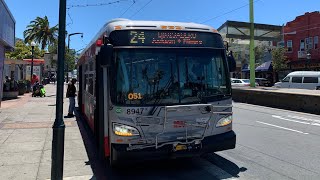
x: 151, y: 89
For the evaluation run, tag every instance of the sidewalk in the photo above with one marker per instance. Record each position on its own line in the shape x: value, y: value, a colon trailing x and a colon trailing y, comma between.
x: 282, y: 90
x: 26, y: 140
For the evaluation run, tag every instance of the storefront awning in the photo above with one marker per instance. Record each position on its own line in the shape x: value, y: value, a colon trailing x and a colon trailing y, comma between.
x: 266, y: 66
x: 14, y: 61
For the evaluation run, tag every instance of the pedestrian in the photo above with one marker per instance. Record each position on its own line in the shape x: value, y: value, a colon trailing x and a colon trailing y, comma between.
x: 6, y: 86
x: 71, y: 94
x: 34, y: 79
x: 54, y: 79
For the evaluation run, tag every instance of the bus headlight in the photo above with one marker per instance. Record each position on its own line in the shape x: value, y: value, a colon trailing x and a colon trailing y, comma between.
x: 123, y: 130
x: 224, y: 121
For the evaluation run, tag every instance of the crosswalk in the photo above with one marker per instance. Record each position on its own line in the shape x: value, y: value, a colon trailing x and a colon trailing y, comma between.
x: 299, y: 119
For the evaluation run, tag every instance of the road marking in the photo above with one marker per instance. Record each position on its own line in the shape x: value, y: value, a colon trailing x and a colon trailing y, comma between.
x: 236, y: 105
x: 303, y: 118
x: 302, y: 122
x: 282, y: 127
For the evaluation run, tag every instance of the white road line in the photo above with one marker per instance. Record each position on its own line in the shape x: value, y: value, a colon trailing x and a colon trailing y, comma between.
x: 282, y: 127
x: 301, y: 122
x: 303, y: 118
x: 238, y: 105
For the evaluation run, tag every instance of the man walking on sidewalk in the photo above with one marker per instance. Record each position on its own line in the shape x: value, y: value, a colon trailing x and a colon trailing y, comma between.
x: 71, y: 94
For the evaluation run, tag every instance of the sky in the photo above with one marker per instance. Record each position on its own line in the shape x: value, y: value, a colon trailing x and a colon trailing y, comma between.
x: 90, y: 19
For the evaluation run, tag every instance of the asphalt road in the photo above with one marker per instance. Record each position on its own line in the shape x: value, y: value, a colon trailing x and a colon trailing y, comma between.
x: 271, y: 144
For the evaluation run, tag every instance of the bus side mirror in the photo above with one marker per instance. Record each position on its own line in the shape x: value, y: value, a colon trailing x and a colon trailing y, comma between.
x: 231, y: 62
x: 106, y: 54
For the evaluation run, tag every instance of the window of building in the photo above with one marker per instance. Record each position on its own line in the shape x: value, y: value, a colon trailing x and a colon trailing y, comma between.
x: 316, y: 41
x: 289, y: 45
x: 296, y: 80
x: 309, y: 43
x: 310, y: 80
x: 302, y: 45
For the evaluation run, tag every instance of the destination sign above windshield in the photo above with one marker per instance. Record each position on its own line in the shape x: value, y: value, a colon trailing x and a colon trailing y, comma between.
x: 165, y: 38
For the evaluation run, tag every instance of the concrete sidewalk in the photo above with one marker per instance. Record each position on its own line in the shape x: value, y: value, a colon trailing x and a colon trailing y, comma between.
x: 26, y: 140
x: 282, y: 90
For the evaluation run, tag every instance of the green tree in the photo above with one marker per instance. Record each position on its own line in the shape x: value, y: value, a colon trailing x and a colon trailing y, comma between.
x: 259, y: 52
x: 70, y: 55
x: 279, y: 59
x: 40, y: 31
x: 23, y: 51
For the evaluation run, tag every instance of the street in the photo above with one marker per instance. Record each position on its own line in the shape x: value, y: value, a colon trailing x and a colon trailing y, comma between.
x: 88, y: 87
x: 271, y: 144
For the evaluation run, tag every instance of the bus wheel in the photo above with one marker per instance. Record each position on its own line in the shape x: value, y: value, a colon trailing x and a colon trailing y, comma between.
x: 113, y: 158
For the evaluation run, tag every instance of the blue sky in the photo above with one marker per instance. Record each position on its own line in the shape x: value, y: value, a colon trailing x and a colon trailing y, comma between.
x: 89, y: 20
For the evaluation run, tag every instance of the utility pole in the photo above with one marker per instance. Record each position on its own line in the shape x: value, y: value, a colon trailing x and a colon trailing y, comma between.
x: 252, y: 60
x: 58, y: 126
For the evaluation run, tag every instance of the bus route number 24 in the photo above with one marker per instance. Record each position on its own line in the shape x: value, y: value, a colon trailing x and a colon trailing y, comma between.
x: 134, y: 96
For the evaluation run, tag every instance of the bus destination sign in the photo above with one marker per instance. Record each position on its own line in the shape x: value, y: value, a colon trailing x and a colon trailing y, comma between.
x: 166, y: 38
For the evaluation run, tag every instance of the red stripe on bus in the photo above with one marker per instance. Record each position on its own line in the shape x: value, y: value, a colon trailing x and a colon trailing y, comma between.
x: 106, y: 147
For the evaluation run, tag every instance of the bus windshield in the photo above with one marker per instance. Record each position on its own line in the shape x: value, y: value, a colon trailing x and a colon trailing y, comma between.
x: 166, y: 77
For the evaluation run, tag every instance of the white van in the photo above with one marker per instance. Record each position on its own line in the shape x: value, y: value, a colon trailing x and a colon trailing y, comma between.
x: 300, y: 80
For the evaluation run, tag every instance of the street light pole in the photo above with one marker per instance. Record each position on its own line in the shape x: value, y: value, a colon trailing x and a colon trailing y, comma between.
x: 69, y: 49
x: 32, y: 56
x: 59, y: 126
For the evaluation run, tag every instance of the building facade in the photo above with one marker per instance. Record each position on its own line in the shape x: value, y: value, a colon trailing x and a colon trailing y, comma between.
x: 237, y: 34
x: 7, y: 40
x: 301, y: 39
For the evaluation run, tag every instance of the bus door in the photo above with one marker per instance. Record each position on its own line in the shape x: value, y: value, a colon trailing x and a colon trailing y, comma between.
x: 102, y: 111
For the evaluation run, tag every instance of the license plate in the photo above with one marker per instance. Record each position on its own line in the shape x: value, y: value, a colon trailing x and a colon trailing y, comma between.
x: 181, y: 147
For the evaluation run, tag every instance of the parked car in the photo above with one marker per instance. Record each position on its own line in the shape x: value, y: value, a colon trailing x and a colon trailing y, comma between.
x: 300, y: 80
x: 263, y: 82
x: 241, y: 82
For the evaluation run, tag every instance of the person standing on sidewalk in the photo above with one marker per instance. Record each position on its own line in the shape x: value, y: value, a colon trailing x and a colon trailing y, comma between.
x: 71, y: 94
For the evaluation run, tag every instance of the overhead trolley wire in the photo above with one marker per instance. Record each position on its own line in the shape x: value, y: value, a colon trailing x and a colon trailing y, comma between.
x: 70, y: 23
x: 229, y: 12
x: 93, y: 5
x: 128, y: 8
x: 141, y: 8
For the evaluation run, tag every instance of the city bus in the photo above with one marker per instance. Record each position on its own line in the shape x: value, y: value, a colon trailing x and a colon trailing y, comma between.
x: 154, y: 89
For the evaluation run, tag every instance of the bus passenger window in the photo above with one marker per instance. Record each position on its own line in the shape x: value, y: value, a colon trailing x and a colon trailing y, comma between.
x: 90, y: 83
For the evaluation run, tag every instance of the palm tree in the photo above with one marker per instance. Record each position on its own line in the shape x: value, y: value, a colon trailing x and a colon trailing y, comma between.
x: 40, y: 31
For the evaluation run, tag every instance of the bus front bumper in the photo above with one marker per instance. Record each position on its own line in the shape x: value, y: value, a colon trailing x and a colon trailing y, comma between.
x: 210, y: 144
